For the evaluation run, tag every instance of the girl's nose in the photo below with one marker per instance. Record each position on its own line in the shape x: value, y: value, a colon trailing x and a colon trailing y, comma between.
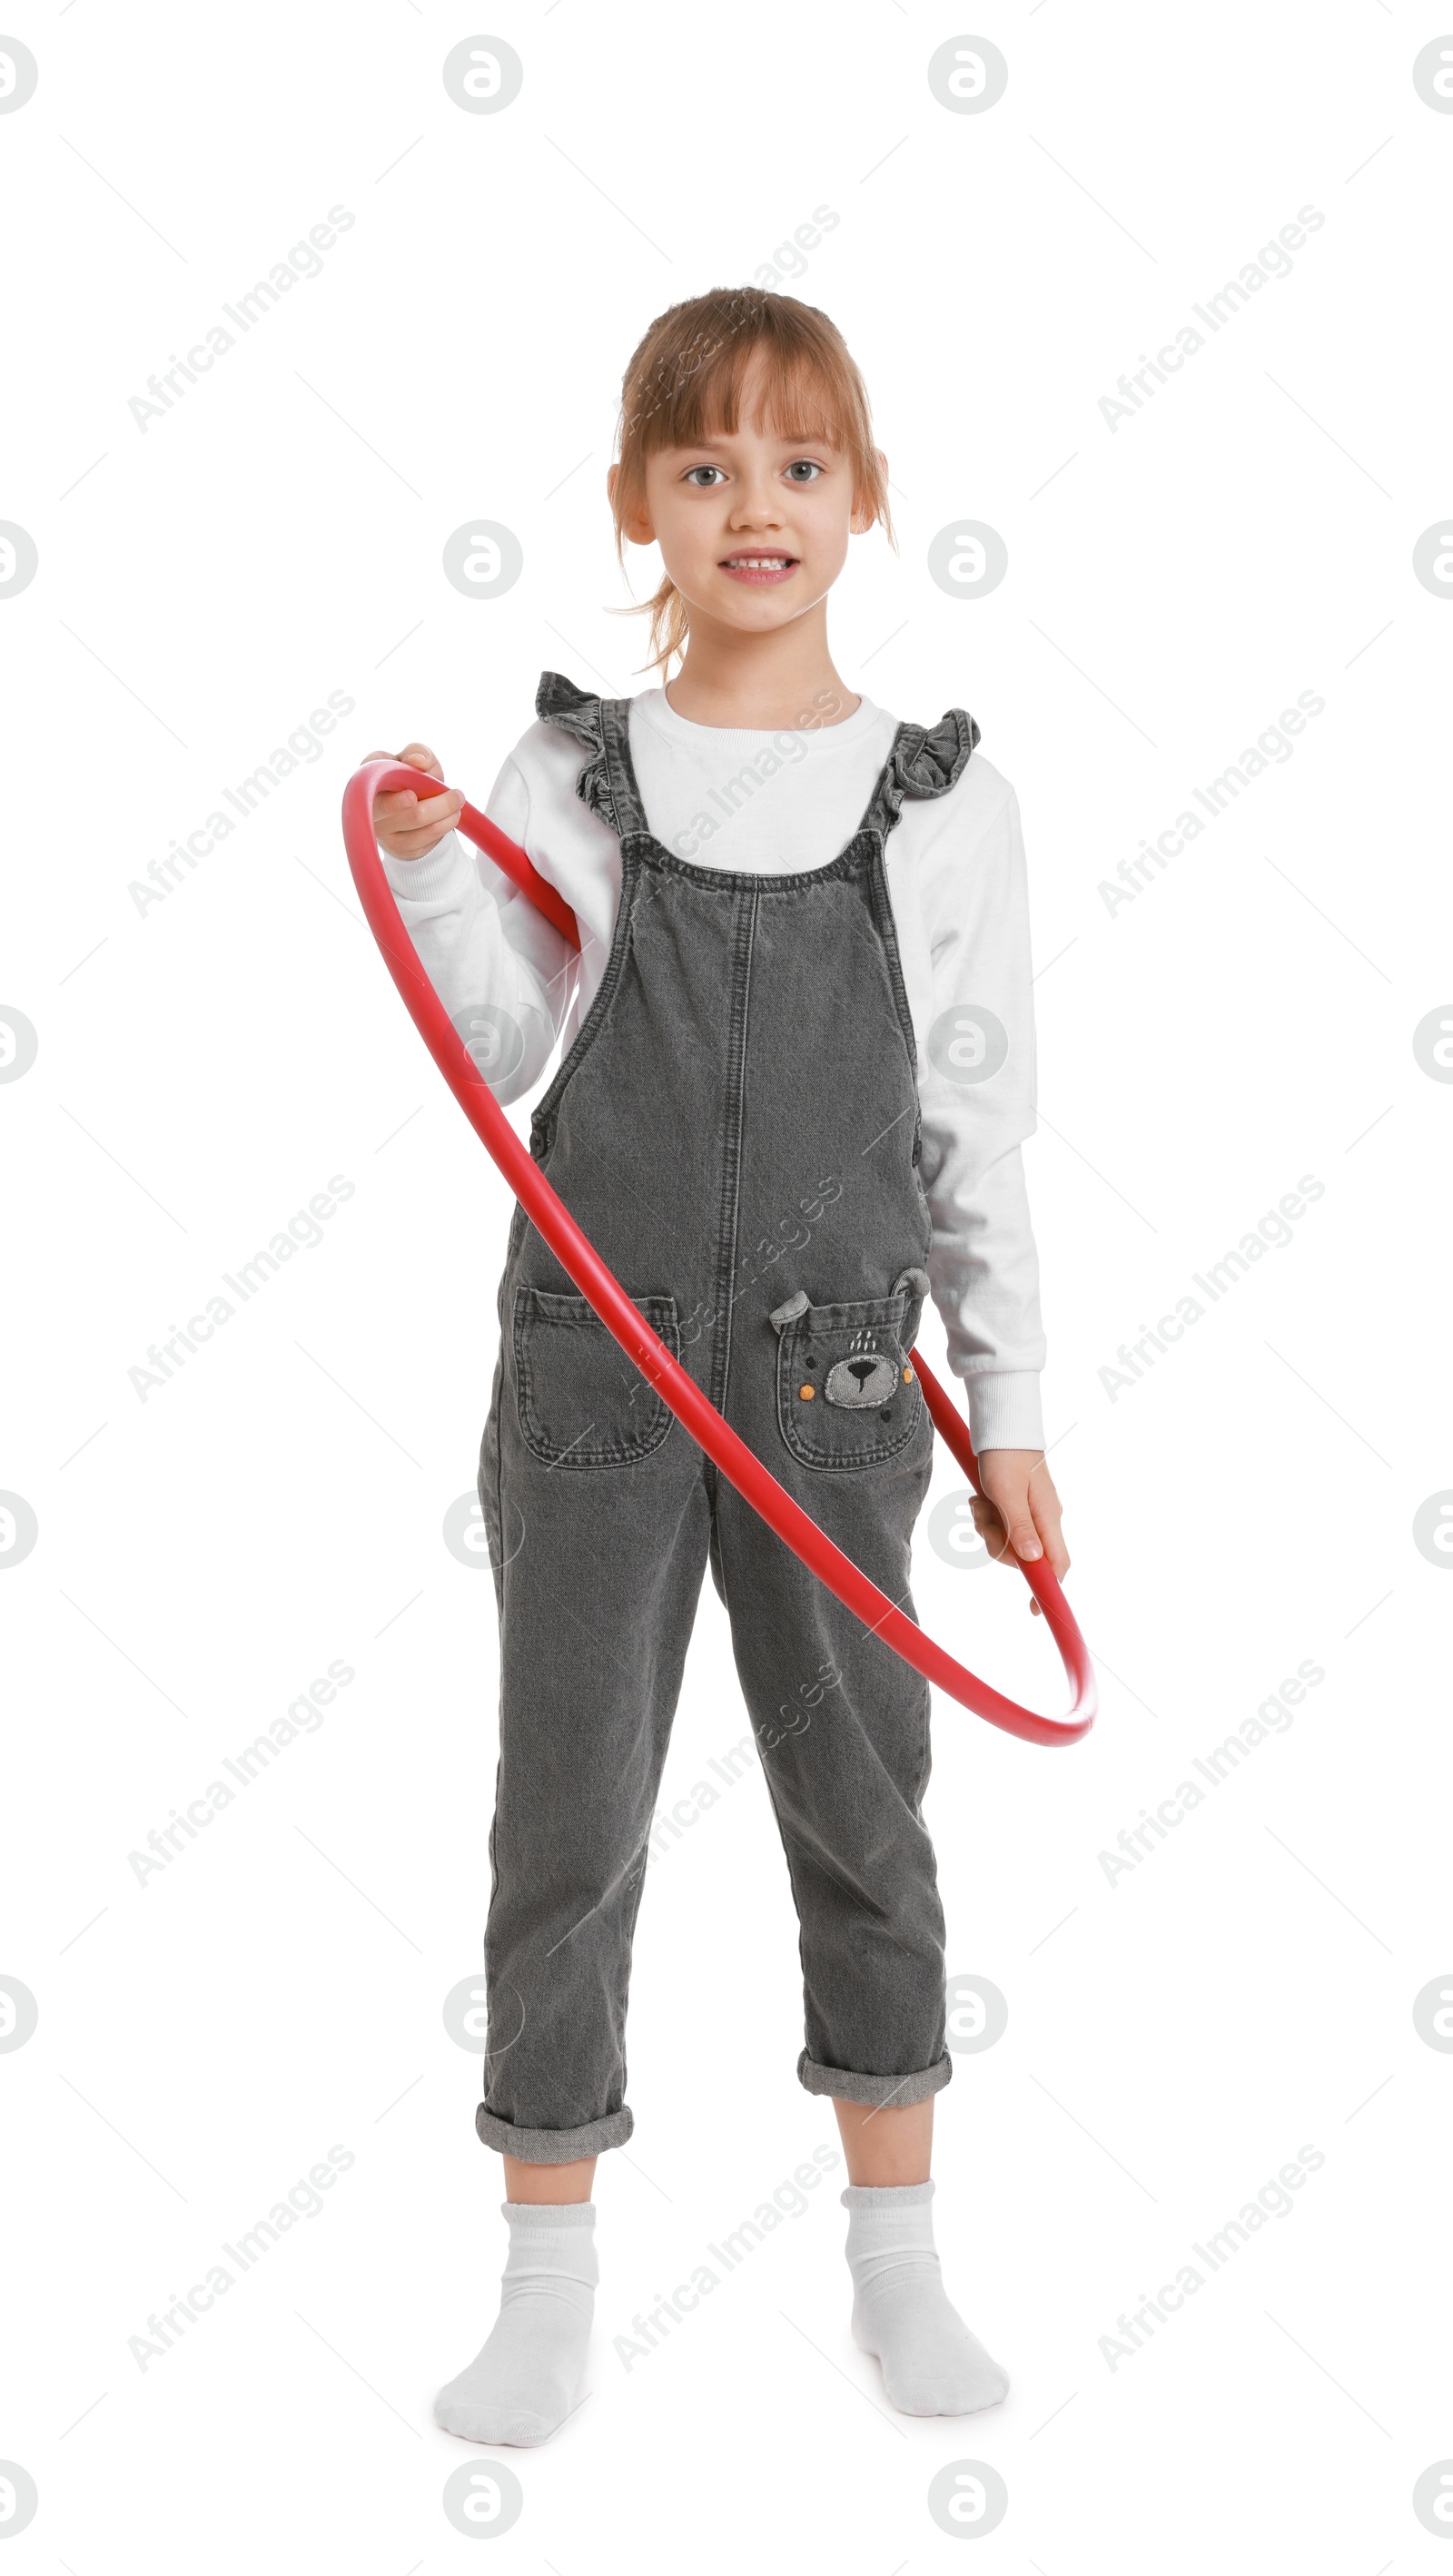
x: 757, y: 510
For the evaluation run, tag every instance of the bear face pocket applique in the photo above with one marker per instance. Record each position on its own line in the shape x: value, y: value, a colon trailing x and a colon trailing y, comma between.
x: 847, y: 1393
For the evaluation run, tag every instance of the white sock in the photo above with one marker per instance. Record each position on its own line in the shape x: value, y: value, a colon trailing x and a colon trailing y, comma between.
x: 932, y: 2365
x: 523, y: 2383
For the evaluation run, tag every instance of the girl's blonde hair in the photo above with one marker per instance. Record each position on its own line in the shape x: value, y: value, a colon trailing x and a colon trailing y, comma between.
x: 684, y: 383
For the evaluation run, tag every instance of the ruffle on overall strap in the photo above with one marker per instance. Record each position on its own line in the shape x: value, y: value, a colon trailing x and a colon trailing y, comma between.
x: 559, y: 702
x: 924, y: 761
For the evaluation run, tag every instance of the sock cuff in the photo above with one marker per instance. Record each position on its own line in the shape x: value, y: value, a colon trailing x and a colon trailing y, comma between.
x: 543, y: 2217
x: 886, y: 2197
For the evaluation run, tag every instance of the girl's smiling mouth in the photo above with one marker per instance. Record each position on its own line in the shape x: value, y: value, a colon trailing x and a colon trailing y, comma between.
x: 762, y: 565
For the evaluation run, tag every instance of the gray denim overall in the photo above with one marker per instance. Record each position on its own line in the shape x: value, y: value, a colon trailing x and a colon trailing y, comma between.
x: 736, y: 1128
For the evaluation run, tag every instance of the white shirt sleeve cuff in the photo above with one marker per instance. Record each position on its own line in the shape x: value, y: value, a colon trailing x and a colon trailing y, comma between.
x: 1004, y: 1410
x: 434, y: 879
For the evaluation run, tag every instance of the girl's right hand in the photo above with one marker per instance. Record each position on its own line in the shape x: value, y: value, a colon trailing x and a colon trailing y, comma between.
x: 408, y: 826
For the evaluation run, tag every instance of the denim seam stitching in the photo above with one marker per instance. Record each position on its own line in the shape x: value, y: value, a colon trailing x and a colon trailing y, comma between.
x: 881, y: 905
x: 850, y: 862
x: 544, y: 1117
x: 726, y: 1259
x: 625, y: 794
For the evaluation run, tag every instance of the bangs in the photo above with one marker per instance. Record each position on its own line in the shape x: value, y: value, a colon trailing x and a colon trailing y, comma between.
x: 696, y: 393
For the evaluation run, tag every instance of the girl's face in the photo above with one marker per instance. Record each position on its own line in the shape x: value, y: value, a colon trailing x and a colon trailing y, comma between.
x: 753, y: 527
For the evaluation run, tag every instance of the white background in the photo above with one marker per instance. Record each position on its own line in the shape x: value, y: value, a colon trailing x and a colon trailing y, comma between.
x: 204, y: 1066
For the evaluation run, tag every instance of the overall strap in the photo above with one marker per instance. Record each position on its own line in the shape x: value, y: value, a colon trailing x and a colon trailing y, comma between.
x: 607, y: 783
x: 922, y: 761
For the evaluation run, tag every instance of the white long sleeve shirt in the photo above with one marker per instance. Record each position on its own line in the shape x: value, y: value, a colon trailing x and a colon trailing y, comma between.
x: 746, y: 799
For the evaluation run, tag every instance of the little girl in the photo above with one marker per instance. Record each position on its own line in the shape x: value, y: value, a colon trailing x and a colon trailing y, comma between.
x: 798, y: 1065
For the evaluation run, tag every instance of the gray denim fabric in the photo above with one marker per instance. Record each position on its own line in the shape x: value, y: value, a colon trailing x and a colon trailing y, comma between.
x: 736, y: 1128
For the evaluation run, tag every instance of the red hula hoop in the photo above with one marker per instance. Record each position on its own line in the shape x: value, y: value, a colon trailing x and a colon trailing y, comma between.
x: 621, y: 1318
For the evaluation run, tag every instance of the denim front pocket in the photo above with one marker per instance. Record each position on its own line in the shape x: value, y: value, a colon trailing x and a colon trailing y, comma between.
x: 581, y: 1402
x: 847, y: 1395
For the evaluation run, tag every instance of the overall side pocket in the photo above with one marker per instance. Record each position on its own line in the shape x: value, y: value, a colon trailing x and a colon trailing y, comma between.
x: 581, y: 1402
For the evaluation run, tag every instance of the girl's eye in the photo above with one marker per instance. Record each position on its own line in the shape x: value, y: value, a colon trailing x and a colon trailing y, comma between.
x: 693, y: 471
x: 804, y: 470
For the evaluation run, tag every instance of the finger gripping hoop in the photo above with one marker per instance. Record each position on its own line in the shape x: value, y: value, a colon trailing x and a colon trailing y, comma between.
x: 548, y: 1213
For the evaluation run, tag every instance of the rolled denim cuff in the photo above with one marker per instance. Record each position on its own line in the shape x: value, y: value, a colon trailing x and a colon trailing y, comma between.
x: 878, y: 2091
x: 554, y: 2146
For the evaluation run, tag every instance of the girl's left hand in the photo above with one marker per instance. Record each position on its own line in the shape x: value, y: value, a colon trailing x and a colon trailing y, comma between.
x: 1017, y: 1516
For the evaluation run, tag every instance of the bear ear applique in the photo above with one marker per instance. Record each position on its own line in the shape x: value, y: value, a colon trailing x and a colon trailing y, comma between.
x: 559, y: 702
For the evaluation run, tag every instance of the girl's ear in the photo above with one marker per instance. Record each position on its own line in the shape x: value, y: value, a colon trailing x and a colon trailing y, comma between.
x: 637, y: 523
